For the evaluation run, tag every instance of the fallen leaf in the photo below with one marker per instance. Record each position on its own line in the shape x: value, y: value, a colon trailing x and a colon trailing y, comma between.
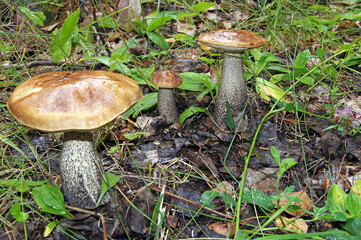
x: 292, y: 224
x: 306, y: 203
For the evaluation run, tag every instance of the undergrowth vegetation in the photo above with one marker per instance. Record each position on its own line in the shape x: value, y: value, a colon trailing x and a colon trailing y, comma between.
x: 308, y: 74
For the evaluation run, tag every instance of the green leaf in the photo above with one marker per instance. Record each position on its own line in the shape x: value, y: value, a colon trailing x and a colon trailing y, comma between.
x: 229, y: 120
x: 356, y: 188
x: 208, y: 196
x: 49, y: 228
x: 159, y: 40
x: 50, y: 200
x: 37, y: 18
x: 265, y: 89
x: 60, y: 45
x: 336, y: 198
x: 259, y: 198
x: 301, y: 59
x: 158, y: 23
x: 112, y: 179
x: 18, y: 214
x: 353, y: 204
x: 276, y: 155
x: 203, y: 6
x: 135, y: 135
x: 307, y: 80
x: 197, y: 82
x: 20, y: 185
x: 289, y: 189
x: 353, y: 226
x: 189, y: 112
x: 148, y: 101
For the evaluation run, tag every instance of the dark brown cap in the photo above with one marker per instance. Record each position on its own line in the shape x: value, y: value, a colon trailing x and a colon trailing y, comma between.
x: 167, y: 79
x: 64, y: 101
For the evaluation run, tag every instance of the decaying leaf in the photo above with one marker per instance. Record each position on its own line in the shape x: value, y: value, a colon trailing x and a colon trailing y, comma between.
x: 306, y: 203
x: 222, y: 228
x: 292, y: 224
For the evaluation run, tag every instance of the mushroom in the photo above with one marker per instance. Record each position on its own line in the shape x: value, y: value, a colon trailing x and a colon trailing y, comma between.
x: 232, y: 87
x: 75, y: 103
x: 167, y: 80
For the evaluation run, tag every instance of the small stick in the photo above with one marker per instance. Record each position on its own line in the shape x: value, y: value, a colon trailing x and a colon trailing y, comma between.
x: 192, y: 202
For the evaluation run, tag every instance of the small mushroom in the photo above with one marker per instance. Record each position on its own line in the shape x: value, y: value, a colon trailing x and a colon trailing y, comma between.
x: 75, y: 103
x: 167, y: 80
x: 232, y: 87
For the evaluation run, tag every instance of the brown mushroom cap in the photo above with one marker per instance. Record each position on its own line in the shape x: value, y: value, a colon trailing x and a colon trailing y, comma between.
x: 167, y: 79
x: 231, y: 40
x: 65, y: 101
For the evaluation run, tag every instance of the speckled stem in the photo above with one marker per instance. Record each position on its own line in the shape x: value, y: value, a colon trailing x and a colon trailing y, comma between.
x: 166, y: 105
x: 232, y: 89
x: 81, y: 178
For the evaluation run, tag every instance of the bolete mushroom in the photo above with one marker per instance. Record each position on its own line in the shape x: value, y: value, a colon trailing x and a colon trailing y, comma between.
x: 75, y: 103
x: 232, y: 87
x: 167, y: 80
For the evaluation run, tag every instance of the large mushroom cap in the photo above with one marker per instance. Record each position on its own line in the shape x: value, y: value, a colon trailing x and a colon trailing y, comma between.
x: 65, y: 101
x: 231, y: 40
x: 167, y: 79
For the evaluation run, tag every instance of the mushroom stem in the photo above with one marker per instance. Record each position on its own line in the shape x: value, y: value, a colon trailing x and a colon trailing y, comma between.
x: 232, y: 89
x: 79, y: 166
x: 166, y: 105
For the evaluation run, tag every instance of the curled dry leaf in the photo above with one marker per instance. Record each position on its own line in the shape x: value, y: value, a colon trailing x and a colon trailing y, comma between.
x: 292, y: 224
x: 222, y: 228
x: 306, y: 203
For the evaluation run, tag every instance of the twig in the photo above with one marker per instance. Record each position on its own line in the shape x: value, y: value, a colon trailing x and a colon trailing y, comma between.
x: 191, y: 202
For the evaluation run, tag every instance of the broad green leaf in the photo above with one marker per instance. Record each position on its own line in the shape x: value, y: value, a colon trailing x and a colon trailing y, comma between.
x: 158, y: 23
x: 353, y: 204
x: 203, y: 6
x: 159, y: 40
x: 148, y: 101
x: 18, y: 214
x: 301, y: 59
x: 353, y: 226
x: 189, y: 112
x: 208, y: 196
x: 50, y: 200
x: 266, y: 89
x: 112, y: 180
x: 336, y: 198
x: 259, y: 198
x: 307, y: 80
x: 229, y: 120
x: 49, y: 228
x: 194, y: 81
x: 60, y: 45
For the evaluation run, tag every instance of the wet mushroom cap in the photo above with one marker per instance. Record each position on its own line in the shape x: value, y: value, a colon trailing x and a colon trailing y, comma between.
x: 167, y: 79
x: 231, y: 40
x: 65, y: 101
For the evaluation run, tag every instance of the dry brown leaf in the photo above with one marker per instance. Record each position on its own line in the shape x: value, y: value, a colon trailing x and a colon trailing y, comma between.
x: 292, y: 224
x: 222, y: 228
x: 306, y: 203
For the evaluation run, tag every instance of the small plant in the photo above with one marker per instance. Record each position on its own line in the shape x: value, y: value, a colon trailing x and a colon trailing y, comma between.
x: 347, y: 119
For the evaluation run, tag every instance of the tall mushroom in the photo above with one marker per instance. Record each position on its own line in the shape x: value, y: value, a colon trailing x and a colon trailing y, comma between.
x: 75, y: 103
x: 167, y: 80
x: 232, y: 87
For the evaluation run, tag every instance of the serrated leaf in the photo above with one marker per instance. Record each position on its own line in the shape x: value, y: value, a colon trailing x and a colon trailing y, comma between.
x: 189, y: 112
x: 60, y: 45
x: 112, y: 180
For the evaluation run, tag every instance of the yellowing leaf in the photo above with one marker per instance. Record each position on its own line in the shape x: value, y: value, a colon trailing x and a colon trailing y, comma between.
x: 266, y: 89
